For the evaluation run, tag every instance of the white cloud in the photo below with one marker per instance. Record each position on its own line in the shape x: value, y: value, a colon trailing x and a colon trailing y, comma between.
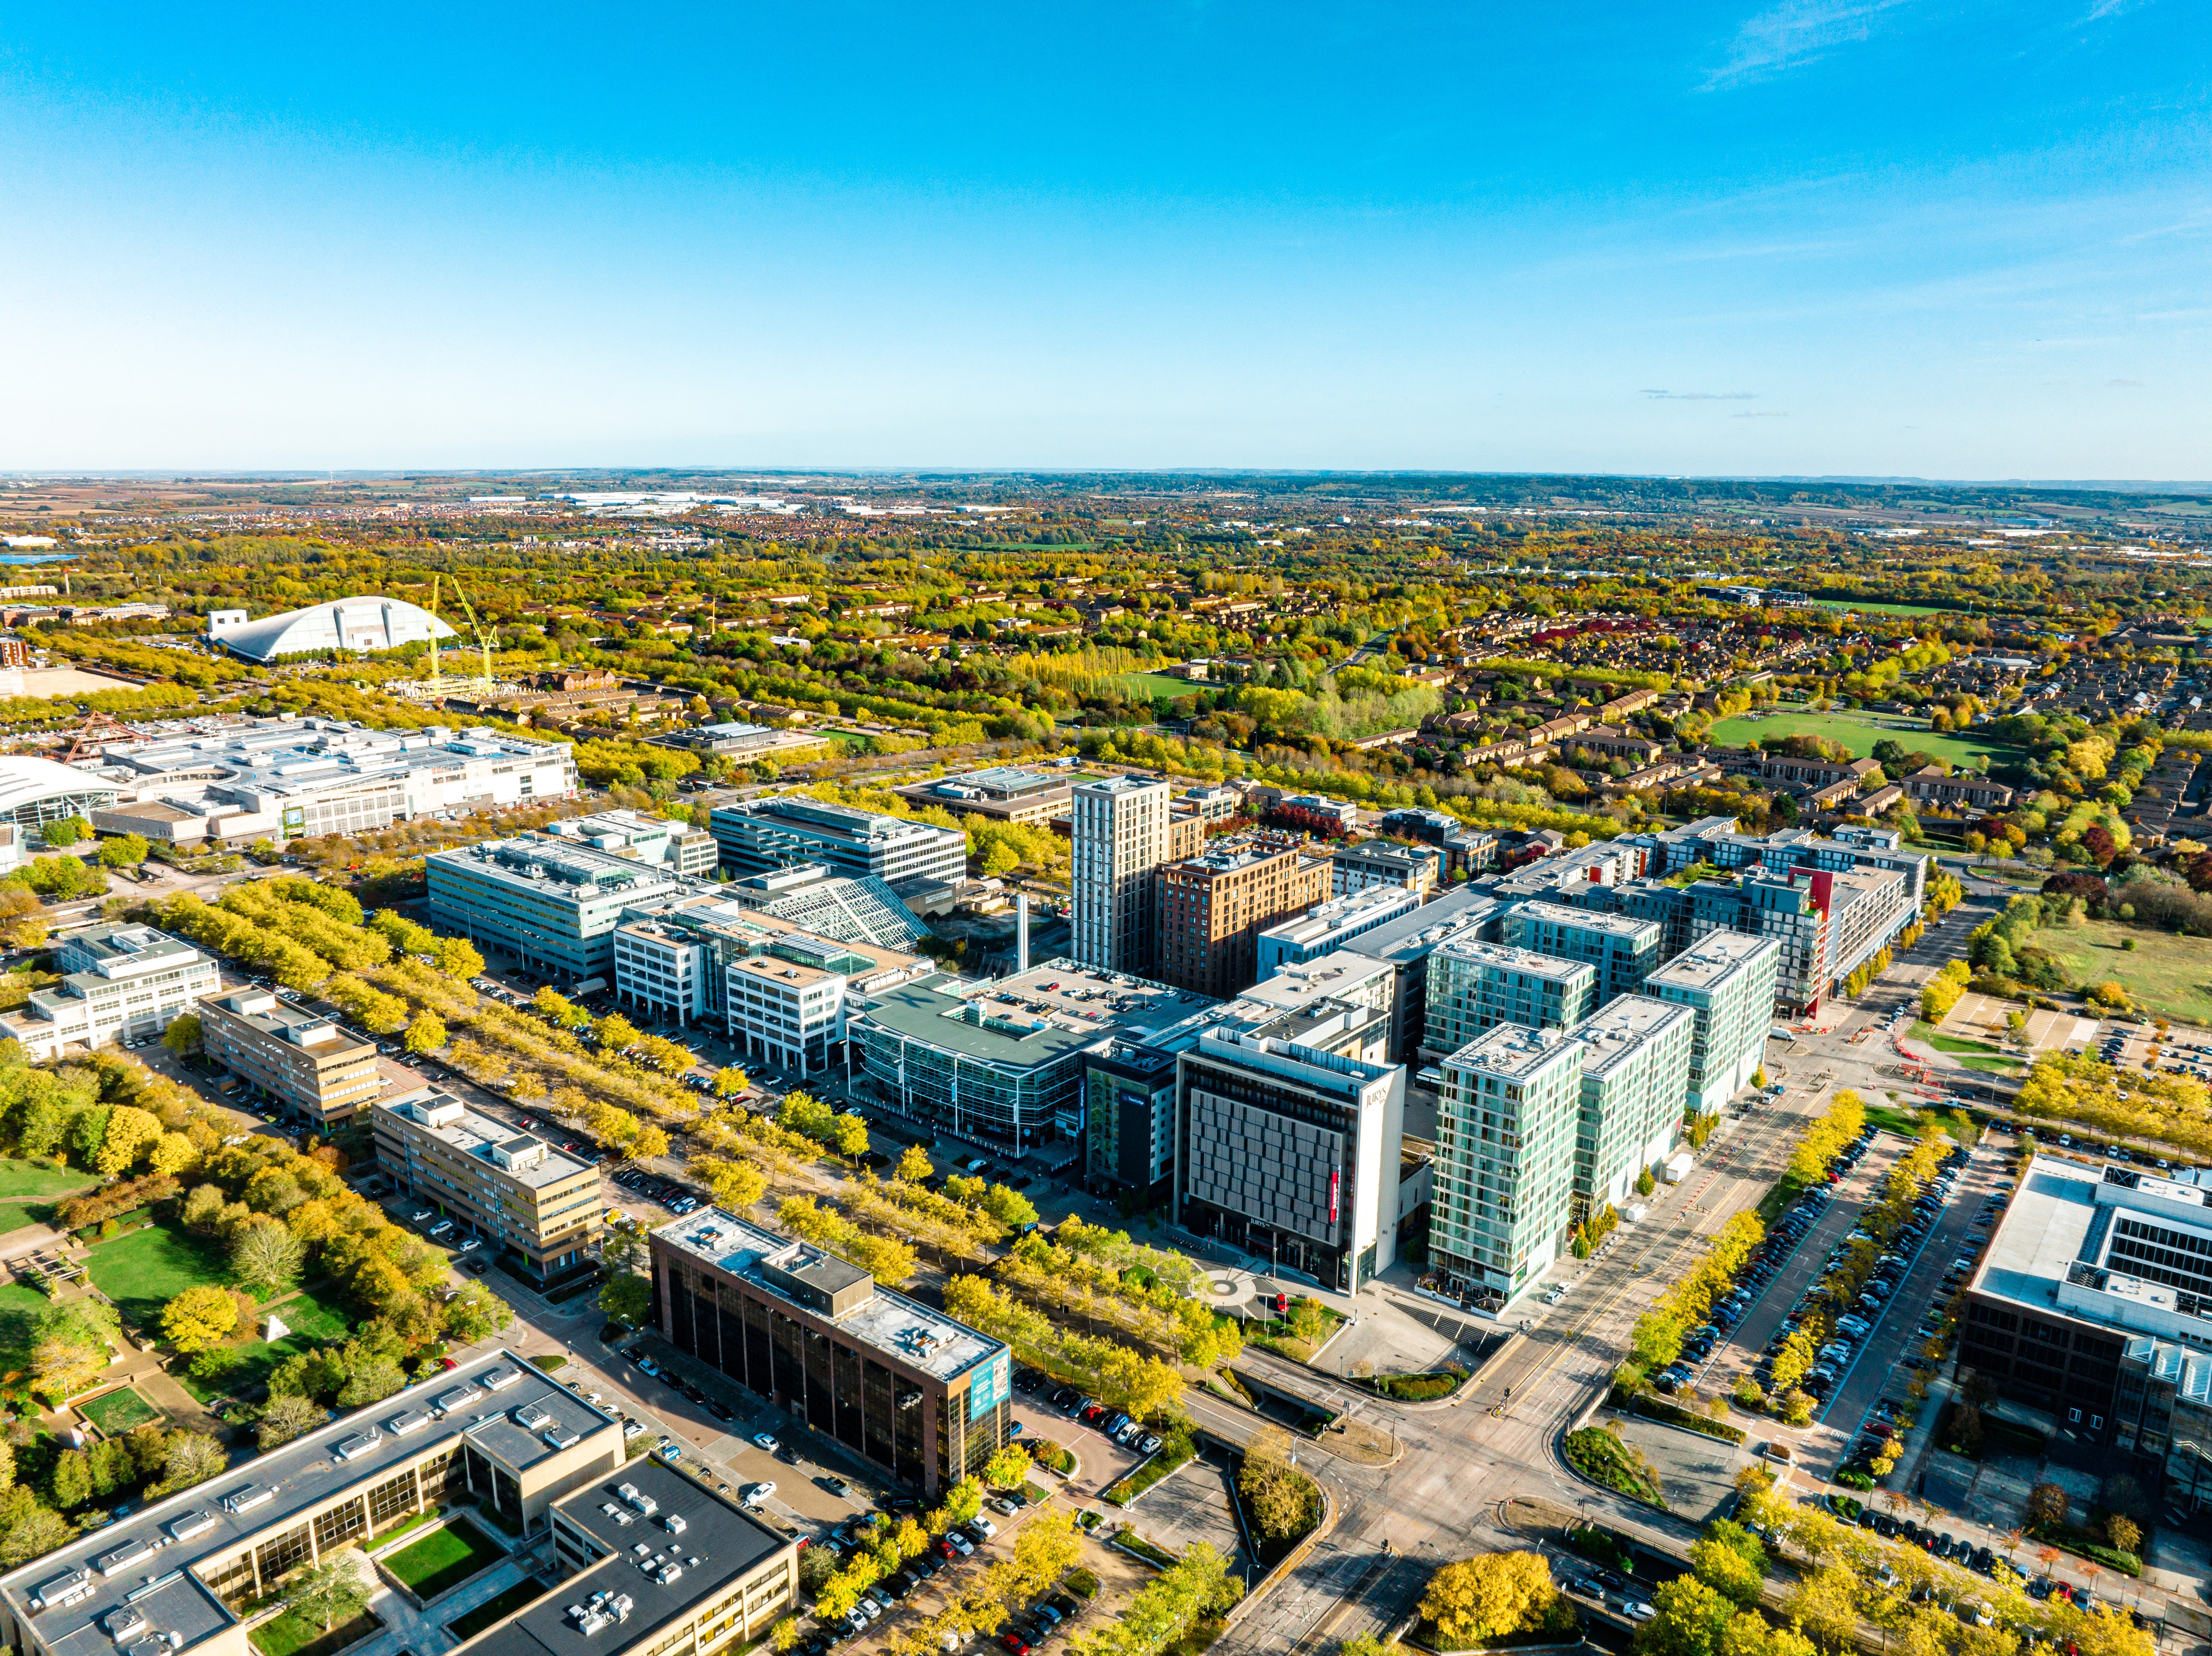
x: 1794, y: 33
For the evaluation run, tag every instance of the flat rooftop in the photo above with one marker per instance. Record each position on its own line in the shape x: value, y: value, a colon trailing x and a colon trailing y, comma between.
x: 1590, y: 919
x: 1457, y: 912
x: 145, y: 1565
x: 719, y: 1545
x: 1512, y: 1051
x: 529, y: 1160
x: 1339, y: 912
x: 1712, y: 959
x: 903, y: 1329
x: 1617, y: 1029
x: 1031, y: 1018
x: 310, y: 1031
x: 1503, y: 957
x: 554, y: 870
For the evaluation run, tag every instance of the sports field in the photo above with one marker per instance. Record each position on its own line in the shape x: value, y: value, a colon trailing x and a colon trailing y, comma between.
x: 1857, y: 731
x: 2170, y: 974
x: 1887, y: 609
x: 1155, y: 685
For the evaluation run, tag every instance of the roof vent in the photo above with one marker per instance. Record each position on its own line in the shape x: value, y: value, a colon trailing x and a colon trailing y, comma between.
x: 676, y: 1523
x: 638, y: 1499
x: 246, y: 1497
x: 60, y: 1590
x: 125, y: 1623
x: 500, y: 1379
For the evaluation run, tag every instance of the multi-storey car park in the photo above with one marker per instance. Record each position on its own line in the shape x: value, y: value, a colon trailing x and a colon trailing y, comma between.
x: 923, y: 1396
x: 186, y: 1573
x: 538, y: 1203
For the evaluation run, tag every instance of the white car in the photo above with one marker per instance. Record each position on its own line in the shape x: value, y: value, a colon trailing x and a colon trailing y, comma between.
x: 766, y: 1440
x: 633, y: 1428
x: 473, y: 1243
x: 981, y: 1528
x: 758, y: 1493
x: 1636, y: 1610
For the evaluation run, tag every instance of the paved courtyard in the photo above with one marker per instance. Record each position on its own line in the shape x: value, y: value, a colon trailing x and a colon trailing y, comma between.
x: 1193, y: 1505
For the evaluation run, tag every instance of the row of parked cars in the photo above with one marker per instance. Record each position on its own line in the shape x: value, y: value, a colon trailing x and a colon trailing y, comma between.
x: 667, y: 1191
x: 1125, y: 1430
x: 1759, y: 1271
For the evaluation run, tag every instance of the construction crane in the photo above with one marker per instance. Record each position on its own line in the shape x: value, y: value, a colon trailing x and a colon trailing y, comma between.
x: 432, y: 610
x: 485, y: 634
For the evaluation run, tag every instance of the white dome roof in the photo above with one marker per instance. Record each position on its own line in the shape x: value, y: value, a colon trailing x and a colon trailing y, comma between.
x: 366, y: 623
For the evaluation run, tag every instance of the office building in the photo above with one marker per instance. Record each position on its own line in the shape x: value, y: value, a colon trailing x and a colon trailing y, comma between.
x: 787, y: 1010
x: 1329, y: 926
x: 362, y: 625
x: 1338, y: 1003
x: 1635, y: 1073
x: 1128, y: 1119
x: 189, y: 1570
x: 1382, y: 863
x: 1507, y: 1118
x: 673, y: 955
x: 675, y: 847
x: 790, y: 829
x: 1004, y: 793
x: 1118, y: 839
x: 1000, y: 1063
x: 922, y: 1397
x: 541, y: 1205
x: 1728, y: 980
x: 118, y: 983
x: 712, y: 1576
x: 283, y: 778
x: 1213, y: 908
x: 1289, y: 1152
x: 1474, y: 986
x: 1625, y: 951
x: 2085, y: 1259
x: 547, y: 902
x: 1407, y: 943
x: 302, y: 1059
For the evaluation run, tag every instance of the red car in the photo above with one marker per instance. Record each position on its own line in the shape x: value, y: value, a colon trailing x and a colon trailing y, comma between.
x: 1015, y: 1644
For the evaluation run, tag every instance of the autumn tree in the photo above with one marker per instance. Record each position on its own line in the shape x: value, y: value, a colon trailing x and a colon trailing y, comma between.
x: 199, y: 1317
x: 1491, y: 1596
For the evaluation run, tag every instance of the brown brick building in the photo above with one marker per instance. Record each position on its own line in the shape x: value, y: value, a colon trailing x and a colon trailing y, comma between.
x: 1214, y: 906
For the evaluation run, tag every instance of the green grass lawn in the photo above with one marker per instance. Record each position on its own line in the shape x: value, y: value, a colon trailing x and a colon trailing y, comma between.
x: 1856, y: 731
x: 2169, y: 973
x: 28, y: 1192
x: 1952, y: 1043
x: 38, y: 1182
x: 1887, y: 608
x: 1155, y: 685
x: 117, y: 1412
x: 1997, y: 1066
x: 288, y: 1634
x: 19, y: 1309
x: 467, y: 1627
x: 143, y: 1272
x: 444, y: 1559
x: 314, y: 1321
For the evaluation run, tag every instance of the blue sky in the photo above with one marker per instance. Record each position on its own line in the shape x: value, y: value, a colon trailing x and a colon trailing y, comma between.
x: 1944, y: 238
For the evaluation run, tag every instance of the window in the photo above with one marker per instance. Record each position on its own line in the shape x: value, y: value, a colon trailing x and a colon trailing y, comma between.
x: 2074, y: 1417
x: 2096, y: 1422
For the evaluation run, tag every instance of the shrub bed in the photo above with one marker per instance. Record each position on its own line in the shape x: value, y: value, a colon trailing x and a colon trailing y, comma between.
x: 1689, y: 1419
x: 1424, y: 1388
x: 1603, y: 1457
